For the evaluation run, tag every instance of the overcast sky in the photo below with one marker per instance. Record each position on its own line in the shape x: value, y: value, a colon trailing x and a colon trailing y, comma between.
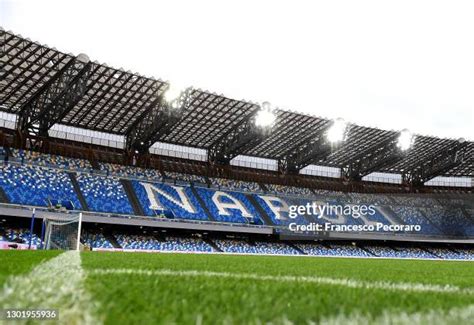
x: 389, y: 64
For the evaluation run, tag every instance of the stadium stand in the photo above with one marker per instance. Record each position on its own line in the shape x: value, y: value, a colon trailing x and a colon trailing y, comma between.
x: 185, y: 244
x: 47, y: 160
x: 259, y: 247
x: 348, y: 250
x: 186, y: 178
x: 414, y: 201
x: 333, y: 250
x: 130, y: 172
x: 34, y: 185
x: 452, y: 221
x: 104, y: 194
x: 400, y: 252
x: 365, y: 198
x: 289, y: 190
x: 37, y: 179
x: 21, y: 235
x: 411, y: 215
x: 234, y: 185
x: 412, y: 252
x: 95, y: 240
x: 170, y: 243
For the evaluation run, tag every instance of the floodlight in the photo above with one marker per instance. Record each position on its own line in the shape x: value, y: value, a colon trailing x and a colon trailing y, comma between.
x: 405, y: 140
x: 83, y: 58
x: 265, y: 116
x: 173, y: 93
x: 266, y: 106
x: 337, y: 131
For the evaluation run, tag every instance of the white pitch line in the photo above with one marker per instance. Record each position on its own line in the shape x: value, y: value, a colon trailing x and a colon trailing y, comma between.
x: 350, y: 283
x: 55, y: 284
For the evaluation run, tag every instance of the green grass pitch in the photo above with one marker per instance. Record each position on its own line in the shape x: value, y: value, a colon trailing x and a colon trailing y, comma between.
x: 144, y: 288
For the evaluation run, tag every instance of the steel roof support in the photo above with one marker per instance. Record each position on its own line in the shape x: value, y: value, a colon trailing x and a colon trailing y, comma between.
x: 437, y: 164
x: 372, y: 158
x: 55, y: 98
x: 239, y: 139
x: 158, y: 120
x: 309, y: 150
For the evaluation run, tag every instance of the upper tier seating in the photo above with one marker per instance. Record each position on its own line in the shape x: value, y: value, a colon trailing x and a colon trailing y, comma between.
x: 365, y: 198
x: 451, y: 221
x: 186, y: 178
x: 47, y: 160
x: 130, y: 172
x: 104, y: 194
x: 34, y: 185
x: 415, y: 201
x: 413, y: 216
x: 289, y: 190
x: 234, y: 185
x: 33, y: 178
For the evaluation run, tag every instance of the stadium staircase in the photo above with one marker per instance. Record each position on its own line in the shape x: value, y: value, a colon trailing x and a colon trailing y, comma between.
x: 371, y: 253
x: 265, y: 217
x: 424, y: 215
x: 8, y: 154
x: 466, y: 214
x: 2, y: 232
x: 263, y: 187
x: 388, y: 212
x: 212, y: 244
x: 296, y: 248
x: 208, y: 181
x: 391, y: 199
x: 366, y: 250
x: 132, y: 197
x: 312, y: 190
x: 453, y: 250
x: 202, y: 203
x: 77, y: 189
x: 94, y: 162
x: 112, y: 240
x: 3, y: 196
x: 159, y: 237
x: 430, y: 252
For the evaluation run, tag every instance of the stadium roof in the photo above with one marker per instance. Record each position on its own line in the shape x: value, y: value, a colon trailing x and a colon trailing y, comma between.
x: 113, y: 100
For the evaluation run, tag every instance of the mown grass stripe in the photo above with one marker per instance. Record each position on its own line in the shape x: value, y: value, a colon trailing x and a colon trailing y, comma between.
x: 350, y: 283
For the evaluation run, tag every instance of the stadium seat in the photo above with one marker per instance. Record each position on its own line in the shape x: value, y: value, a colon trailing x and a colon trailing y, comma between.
x: 104, y: 194
x: 34, y: 185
